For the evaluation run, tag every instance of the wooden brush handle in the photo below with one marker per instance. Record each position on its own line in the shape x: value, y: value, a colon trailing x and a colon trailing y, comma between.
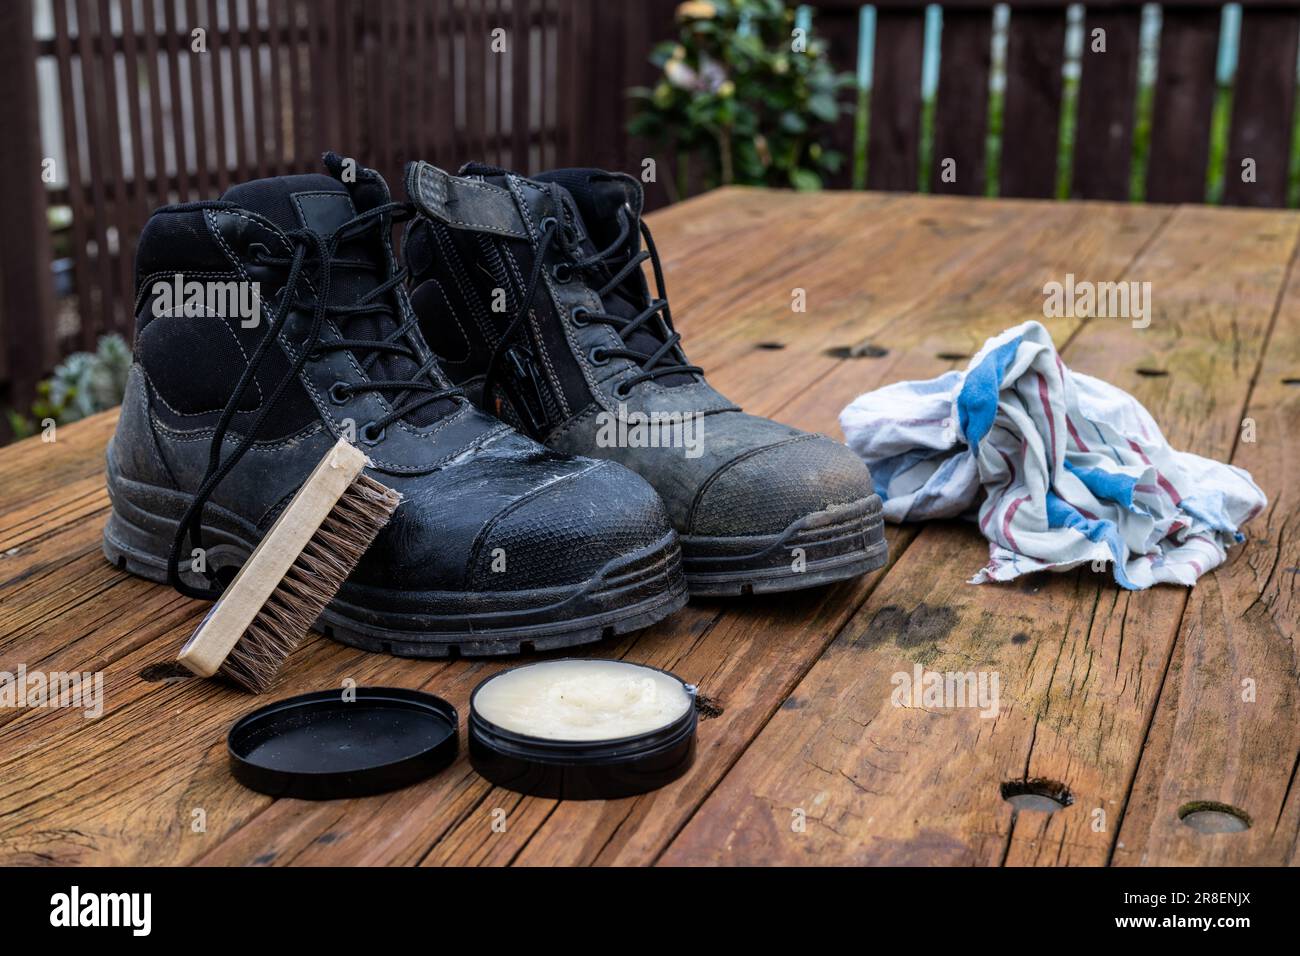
x: 225, y: 624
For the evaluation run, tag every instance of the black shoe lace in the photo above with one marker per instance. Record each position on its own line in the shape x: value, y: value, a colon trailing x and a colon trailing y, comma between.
x: 409, y: 394
x: 608, y: 267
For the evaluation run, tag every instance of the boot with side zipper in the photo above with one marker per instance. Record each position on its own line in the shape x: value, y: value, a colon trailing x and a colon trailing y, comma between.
x: 532, y: 292
x: 500, y: 545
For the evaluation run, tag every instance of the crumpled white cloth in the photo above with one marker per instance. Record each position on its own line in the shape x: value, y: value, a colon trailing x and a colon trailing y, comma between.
x: 1065, y: 468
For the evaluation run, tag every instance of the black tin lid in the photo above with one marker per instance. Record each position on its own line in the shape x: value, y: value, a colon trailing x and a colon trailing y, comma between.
x: 321, y: 746
x: 582, y: 769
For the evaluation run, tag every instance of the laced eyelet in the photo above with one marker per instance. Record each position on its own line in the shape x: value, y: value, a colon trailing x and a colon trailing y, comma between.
x: 579, y: 310
x: 562, y: 272
x: 545, y: 224
x: 368, y: 436
x: 597, y: 356
x: 257, y: 252
x: 621, y: 391
x: 340, y: 392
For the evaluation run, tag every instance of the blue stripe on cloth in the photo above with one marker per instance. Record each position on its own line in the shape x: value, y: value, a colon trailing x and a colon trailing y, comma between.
x: 1061, y: 514
x: 977, y: 404
x: 1105, y: 485
x: 1210, y: 508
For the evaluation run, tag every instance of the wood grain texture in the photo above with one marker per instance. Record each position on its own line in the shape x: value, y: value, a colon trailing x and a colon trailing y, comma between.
x: 1080, y: 662
x: 1226, y: 730
x: 922, y: 280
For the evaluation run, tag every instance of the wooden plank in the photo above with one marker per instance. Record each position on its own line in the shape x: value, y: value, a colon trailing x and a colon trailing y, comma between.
x: 140, y: 206
x: 1184, y: 105
x: 1263, y: 105
x: 216, y: 77
x: 296, y: 55
x: 262, y: 154
x: 77, y: 198
x: 280, y: 57
x: 970, y: 268
x: 203, y: 115
x: 475, y: 40
x: 119, y: 312
x: 122, y: 626
x: 730, y: 659
x: 1103, y: 137
x: 962, y: 107
x: 1032, y: 105
x: 99, y: 308
x: 172, y: 26
x: 239, y: 112
x: 26, y: 285
x: 520, y: 49
x: 1225, y: 730
x: 839, y: 28
x: 894, y: 136
x: 1079, y: 661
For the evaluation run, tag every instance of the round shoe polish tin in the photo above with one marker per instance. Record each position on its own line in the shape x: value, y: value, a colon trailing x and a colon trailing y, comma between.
x: 325, y: 745
x: 594, y: 767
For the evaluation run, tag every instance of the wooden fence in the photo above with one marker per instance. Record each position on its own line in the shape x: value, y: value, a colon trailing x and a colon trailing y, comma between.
x: 1263, y: 97
x: 151, y: 111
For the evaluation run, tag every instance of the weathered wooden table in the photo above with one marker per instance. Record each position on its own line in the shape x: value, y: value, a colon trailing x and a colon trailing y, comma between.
x: 1141, y: 707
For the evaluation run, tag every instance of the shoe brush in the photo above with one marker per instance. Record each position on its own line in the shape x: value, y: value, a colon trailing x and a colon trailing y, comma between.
x: 294, y: 572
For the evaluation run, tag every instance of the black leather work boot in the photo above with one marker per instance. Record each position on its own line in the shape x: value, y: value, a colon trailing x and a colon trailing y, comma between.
x: 531, y: 291
x: 499, y: 545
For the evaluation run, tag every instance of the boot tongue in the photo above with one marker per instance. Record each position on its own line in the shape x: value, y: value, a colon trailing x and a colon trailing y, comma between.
x: 321, y: 204
x: 309, y: 201
x: 597, y: 197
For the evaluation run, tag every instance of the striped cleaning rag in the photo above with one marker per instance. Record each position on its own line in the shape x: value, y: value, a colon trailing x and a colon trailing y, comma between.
x: 1058, y: 468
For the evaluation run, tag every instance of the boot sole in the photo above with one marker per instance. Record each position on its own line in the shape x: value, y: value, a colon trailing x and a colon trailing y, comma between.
x: 842, y: 542
x: 629, y: 592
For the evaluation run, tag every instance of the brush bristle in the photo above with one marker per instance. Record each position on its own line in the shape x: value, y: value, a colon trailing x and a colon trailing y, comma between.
x: 310, y: 583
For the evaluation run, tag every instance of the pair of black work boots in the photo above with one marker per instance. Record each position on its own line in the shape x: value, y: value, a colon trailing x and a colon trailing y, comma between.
x: 566, y: 473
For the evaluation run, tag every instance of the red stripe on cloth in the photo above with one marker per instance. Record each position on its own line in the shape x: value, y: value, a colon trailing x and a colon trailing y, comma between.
x: 1051, y: 417
x: 1006, y: 521
x: 1069, y: 424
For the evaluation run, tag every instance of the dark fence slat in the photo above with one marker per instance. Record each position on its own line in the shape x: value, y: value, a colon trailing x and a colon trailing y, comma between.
x: 279, y: 53
x: 520, y: 87
x: 1032, y: 107
x: 294, y: 57
x: 839, y: 27
x: 121, y: 201
x: 1263, y: 108
x: 216, y: 45
x: 1184, y: 105
x: 177, y: 109
x: 239, y: 111
x: 72, y: 164
x: 962, y: 105
x: 894, y: 133
x: 26, y: 294
x: 1103, y: 137
x: 262, y: 152
x: 573, y: 40
x: 202, y: 162
x: 101, y: 302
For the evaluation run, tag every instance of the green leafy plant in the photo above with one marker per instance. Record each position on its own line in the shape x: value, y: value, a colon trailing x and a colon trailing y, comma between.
x: 82, y: 384
x: 746, y: 91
